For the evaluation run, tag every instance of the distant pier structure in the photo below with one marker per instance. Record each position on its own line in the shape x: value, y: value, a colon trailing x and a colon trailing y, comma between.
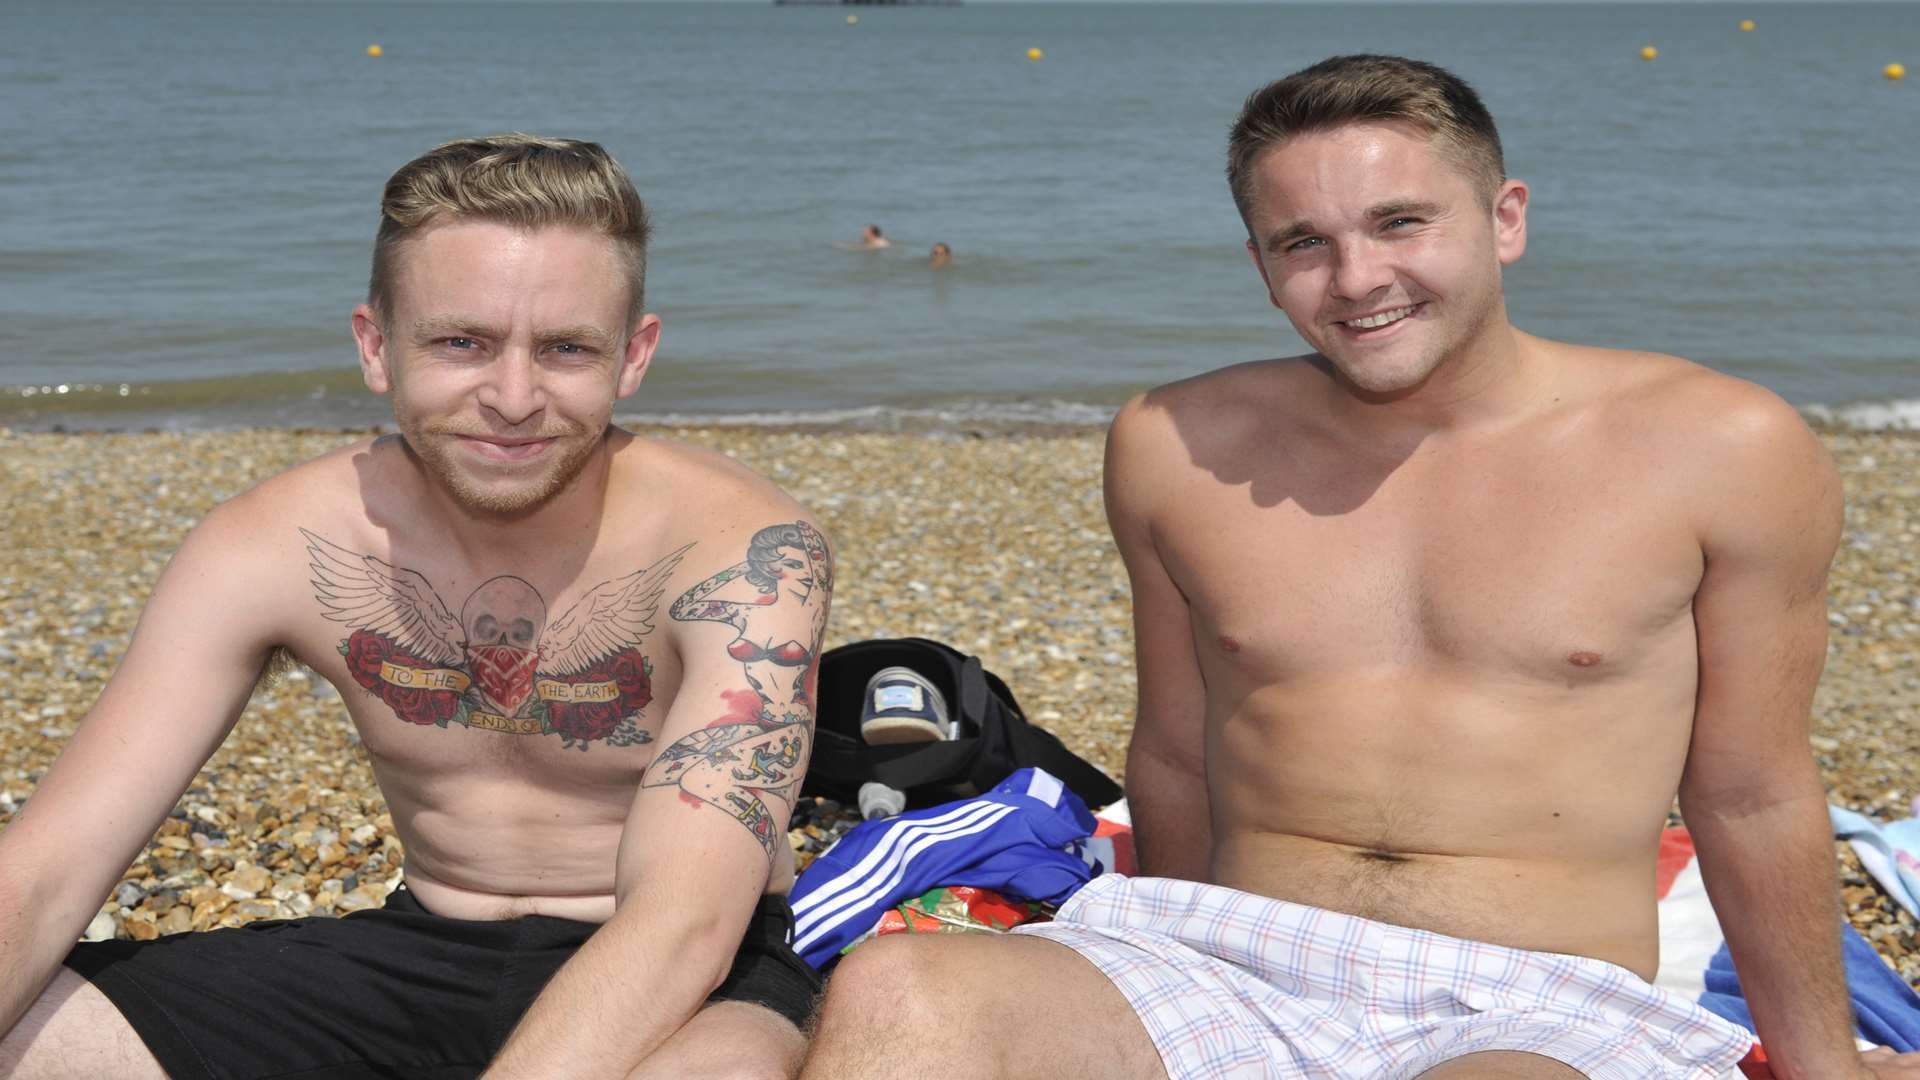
x: 873, y: 3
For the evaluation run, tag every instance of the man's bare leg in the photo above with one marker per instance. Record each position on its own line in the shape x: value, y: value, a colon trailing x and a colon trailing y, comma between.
x: 1502, y: 1065
x: 73, y: 1031
x: 976, y: 1006
x: 728, y: 1040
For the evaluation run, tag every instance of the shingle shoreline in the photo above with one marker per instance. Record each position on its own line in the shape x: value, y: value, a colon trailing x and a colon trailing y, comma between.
x: 995, y: 544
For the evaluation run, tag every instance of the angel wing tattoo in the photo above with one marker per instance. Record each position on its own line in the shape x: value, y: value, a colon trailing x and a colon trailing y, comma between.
x: 500, y: 666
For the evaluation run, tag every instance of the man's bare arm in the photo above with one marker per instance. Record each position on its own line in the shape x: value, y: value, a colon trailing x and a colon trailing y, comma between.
x: 1751, y: 793
x: 706, y: 825
x: 202, y: 642
x: 1166, y: 769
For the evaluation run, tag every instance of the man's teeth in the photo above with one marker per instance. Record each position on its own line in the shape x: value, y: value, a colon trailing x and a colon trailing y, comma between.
x: 1374, y: 322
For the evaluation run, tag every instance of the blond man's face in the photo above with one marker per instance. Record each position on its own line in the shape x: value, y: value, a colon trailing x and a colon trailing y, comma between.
x: 504, y: 350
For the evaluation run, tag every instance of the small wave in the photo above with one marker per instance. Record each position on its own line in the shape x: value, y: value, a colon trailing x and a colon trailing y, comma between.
x: 999, y: 416
x: 1896, y: 415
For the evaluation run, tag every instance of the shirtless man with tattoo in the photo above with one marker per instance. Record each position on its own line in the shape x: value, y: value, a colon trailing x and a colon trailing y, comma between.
x: 582, y: 664
x: 1432, y: 624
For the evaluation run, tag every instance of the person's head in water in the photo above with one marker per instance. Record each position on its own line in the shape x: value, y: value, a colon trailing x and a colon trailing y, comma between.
x: 870, y: 237
x: 1379, y: 215
x: 941, y: 255
x: 504, y: 313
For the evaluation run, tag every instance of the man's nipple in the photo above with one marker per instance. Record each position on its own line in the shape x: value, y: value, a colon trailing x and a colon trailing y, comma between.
x: 1229, y: 644
x: 1583, y: 658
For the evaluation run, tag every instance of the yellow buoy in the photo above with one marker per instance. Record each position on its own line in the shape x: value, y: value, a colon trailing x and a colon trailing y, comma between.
x: 1894, y: 71
x: 1746, y: 25
x: 853, y: 20
x: 1036, y: 54
x: 374, y: 50
x: 1648, y: 52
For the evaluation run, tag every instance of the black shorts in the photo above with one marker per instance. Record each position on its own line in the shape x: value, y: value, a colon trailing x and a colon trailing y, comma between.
x: 391, y: 992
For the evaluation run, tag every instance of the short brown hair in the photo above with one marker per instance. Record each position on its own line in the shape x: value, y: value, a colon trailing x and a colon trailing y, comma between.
x: 520, y: 180
x: 1344, y: 90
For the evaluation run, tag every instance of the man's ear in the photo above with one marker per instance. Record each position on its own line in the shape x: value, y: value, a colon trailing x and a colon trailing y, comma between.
x: 1261, y: 265
x: 374, y: 368
x: 638, y: 353
x: 1510, y: 221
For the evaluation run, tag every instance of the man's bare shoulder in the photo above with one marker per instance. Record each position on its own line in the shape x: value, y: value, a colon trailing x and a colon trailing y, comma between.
x: 1226, y: 405
x: 1697, y: 411
x: 261, y: 518
x: 707, y: 488
x: 1736, y: 446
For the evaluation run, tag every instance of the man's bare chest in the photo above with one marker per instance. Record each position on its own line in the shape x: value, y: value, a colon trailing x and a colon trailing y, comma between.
x: 442, y: 665
x: 1502, y: 573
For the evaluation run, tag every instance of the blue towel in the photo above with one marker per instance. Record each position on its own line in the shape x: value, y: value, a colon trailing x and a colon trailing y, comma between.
x: 1886, y: 1011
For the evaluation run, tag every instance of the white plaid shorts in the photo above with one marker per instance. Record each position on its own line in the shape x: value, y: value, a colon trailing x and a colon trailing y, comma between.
x: 1232, y: 984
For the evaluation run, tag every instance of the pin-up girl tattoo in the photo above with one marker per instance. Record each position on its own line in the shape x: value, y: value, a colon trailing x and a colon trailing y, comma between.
x: 776, y: 602
x: 501, y: 666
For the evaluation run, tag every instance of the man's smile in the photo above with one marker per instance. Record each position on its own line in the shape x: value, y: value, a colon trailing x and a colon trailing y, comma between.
x: 1379, y: 320
x: 505, y: 448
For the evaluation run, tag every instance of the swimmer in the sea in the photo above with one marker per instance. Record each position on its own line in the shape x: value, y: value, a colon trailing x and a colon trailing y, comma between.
x: 870, y: 240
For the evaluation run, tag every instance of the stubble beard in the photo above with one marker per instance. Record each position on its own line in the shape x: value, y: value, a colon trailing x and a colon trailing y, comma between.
x: 435, y: 446
x: 1447, y: 347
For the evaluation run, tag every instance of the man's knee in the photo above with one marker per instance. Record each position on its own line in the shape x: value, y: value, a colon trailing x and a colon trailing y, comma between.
x: 1502, y: 1065
x: 730, y: 1040
x: 882, y: 978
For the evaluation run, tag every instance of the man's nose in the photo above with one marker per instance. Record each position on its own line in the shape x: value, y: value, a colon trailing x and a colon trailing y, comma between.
x: 1360, y: 270
x: 512, y: 388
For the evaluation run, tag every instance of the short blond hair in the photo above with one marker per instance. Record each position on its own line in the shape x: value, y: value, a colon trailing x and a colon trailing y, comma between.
x: 1361, y: 89
x: 521, y: 180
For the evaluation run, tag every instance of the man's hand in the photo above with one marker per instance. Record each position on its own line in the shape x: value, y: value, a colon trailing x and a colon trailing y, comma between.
x: 1884, y: 1064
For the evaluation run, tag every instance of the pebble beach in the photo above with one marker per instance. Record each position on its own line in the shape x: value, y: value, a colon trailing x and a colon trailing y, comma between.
x: 994, y: 543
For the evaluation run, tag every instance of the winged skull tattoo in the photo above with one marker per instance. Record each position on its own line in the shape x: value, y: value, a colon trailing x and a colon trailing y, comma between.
x: 501, y: 666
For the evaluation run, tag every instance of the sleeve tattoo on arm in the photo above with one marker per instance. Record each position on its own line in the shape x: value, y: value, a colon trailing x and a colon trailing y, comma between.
x: 501, y: 666
x: 760, y: 746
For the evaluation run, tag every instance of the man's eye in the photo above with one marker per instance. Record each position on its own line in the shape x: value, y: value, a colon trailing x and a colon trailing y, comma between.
x: 1305, y: 243
x: 459, y: 343
x: 1399, y: 221
x: 569, y: 348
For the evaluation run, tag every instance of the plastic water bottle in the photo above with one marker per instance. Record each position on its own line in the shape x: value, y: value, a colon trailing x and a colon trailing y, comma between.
x: 877, y: 800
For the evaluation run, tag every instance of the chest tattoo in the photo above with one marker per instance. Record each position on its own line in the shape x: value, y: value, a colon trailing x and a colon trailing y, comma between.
x: 502, y: 665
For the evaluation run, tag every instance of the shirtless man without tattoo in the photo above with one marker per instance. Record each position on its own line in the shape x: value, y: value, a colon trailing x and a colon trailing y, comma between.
x: 1432, y: 623
x: 581, y: 662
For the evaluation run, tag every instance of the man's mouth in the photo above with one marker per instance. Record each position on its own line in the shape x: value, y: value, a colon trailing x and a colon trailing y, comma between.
x: 1379, y: 319
x: 506, y: 449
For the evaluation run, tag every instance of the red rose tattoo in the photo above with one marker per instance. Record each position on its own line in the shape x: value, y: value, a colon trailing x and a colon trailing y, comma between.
x: 501, y: 666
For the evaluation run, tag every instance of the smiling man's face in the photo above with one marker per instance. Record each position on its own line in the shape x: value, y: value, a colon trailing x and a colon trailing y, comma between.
x: 1381, y: 251
x: 505, y: 351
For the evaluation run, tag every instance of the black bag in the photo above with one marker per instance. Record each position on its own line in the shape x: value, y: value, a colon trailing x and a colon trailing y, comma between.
x: 994, y: 736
